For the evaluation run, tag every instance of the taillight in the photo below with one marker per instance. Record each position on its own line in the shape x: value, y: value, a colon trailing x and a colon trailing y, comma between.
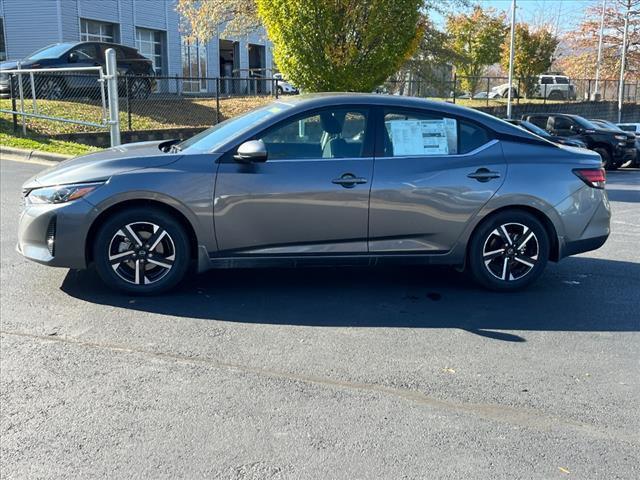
x: 594, y: 177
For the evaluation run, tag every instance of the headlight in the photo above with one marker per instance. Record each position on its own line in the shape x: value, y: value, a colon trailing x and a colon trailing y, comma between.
x: 621, y: 137
x: 62, y: 193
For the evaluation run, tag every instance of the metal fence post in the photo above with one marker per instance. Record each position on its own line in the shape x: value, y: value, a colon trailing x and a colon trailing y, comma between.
x: 24, y: 118
x: 488, y: 89
x: 276, y: 88
x: 13, y: 103
x: 112, y: 89
x: 126, y: 85
x: 455, y: 83
x: 217, y: 99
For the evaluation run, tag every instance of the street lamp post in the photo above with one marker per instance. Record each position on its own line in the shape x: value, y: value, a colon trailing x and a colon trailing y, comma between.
x: 511, y: 55
x: 599, y: 60
x: 623, y: 61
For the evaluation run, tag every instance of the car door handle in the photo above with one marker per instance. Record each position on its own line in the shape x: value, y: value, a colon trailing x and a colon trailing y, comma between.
x: 348, y: 180
x: 483, y: 175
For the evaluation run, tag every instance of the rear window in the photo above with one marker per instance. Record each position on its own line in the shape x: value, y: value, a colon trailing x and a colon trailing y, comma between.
x: 563, y: 80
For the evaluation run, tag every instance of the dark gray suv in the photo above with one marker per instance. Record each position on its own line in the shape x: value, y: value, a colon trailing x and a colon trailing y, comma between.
x: 324, y: 179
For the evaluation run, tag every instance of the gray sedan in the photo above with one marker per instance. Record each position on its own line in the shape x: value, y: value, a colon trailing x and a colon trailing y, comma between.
x: 325, y: 179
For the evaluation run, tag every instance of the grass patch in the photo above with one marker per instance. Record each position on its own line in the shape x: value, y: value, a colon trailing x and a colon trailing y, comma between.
x: 8, y: 139
x: 154, y: 113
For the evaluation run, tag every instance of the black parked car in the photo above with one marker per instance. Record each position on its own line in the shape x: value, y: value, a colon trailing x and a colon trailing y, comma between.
x: 79, y: 54
x: 569, y: 141
x: 614, y: 147
x: 607, y: 124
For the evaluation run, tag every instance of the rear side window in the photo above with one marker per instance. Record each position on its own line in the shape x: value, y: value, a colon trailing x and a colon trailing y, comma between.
x: 562, y: 80
x: 539, y: 121
x: 418, y: 134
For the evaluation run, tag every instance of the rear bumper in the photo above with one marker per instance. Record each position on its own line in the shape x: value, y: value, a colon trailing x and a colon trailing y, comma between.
x: 585, y: 245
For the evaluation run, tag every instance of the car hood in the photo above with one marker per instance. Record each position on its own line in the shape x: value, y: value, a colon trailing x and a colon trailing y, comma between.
x: 102, y: 165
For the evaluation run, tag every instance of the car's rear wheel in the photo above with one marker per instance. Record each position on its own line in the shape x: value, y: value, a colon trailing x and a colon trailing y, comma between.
x: 509, y: 251
x: 556, y: 95
x: 140, y: 88
x: 607, y: 161
x: 141, y: 251
x: 51, y: 89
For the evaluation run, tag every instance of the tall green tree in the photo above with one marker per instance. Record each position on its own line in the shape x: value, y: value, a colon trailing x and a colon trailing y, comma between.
x: 476, y: 40
x: 341, y: 45
x: 533, y: 55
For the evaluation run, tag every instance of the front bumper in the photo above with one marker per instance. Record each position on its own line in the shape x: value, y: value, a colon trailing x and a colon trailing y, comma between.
x: 70, y: 229
x: 624, y: 154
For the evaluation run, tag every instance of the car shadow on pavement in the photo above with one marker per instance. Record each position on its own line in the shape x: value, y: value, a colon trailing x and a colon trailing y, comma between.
x: 579, y: 294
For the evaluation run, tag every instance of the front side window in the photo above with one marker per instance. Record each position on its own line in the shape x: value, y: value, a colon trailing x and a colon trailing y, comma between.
x: 421, y: 134
x: 335, y: 133
x: 562, y: 123
x: 150, y: 43
x: 93, y: 31
x: 86, y: 53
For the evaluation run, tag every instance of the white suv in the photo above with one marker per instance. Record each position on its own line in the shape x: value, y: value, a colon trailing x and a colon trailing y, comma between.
x: 551, y: 87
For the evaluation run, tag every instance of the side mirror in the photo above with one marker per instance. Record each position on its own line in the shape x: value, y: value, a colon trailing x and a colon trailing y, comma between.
x: 251, y: 151
x: 73, y: 57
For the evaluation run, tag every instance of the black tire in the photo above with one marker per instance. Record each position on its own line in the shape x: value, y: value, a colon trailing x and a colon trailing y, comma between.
x: 517, y: 267
x: 556, y: 95
x: 51, y: 89
x: 141, y: 273
x: 140, y: 88
x: 607, y: 161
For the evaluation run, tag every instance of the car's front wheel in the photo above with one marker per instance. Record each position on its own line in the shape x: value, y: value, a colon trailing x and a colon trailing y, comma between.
x: 141, y: 251
x: 509, y: 251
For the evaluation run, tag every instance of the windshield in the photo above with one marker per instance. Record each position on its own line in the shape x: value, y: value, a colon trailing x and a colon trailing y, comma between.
x: 584, y: 123
x: 212, y: 138
x: 534, y: 128
x: 52, y: 51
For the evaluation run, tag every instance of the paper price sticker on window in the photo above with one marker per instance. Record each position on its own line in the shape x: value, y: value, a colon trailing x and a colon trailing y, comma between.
x: 423, y: 137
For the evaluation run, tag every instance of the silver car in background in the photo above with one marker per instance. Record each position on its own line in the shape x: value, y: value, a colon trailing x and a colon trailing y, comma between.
x: 340, y: 179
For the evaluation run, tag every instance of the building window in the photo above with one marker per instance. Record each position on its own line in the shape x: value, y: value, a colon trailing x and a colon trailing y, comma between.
x: 194, y: 66
x: 92, y: 31
x: 150, y: 43
x: 3, y: 46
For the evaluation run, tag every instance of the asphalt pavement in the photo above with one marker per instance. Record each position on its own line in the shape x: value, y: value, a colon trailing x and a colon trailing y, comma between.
x: 327, y: 373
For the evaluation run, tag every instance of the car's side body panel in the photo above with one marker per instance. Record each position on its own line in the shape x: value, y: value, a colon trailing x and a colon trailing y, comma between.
x: 292, y: 206
x: 422, y: 204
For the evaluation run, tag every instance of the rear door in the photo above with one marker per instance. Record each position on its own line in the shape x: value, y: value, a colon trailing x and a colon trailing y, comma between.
x: 311, y: 196
x: 432, y: 176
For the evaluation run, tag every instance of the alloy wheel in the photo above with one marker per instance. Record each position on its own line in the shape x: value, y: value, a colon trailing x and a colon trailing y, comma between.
x: 51, y: 90
x: 141, y: 253
x: 511, y: 251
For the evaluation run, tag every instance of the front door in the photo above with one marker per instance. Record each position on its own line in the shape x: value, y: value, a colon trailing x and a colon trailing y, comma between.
x: 434, y: 174
x: 311, y: 196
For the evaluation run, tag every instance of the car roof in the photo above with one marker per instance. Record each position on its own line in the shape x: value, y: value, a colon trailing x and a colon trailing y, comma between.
x: 318, y: 100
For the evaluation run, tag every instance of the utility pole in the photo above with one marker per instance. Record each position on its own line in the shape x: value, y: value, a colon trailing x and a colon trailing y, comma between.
x: 623, y: 62
x: 599, y: 61
x: 512, y: 48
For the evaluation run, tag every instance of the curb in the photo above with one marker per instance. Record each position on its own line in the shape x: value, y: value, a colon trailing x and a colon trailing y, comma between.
x: 12, y: 153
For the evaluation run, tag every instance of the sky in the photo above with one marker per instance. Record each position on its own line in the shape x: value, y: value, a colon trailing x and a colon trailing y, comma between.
x: 565, y: 15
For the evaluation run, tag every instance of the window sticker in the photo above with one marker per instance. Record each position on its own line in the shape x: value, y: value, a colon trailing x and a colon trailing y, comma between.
x: 423, y: 137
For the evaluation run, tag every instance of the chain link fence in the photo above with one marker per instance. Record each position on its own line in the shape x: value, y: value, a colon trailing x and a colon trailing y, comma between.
x: 76, y: 99
x: 50, y: 101
x: 491, y: 91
